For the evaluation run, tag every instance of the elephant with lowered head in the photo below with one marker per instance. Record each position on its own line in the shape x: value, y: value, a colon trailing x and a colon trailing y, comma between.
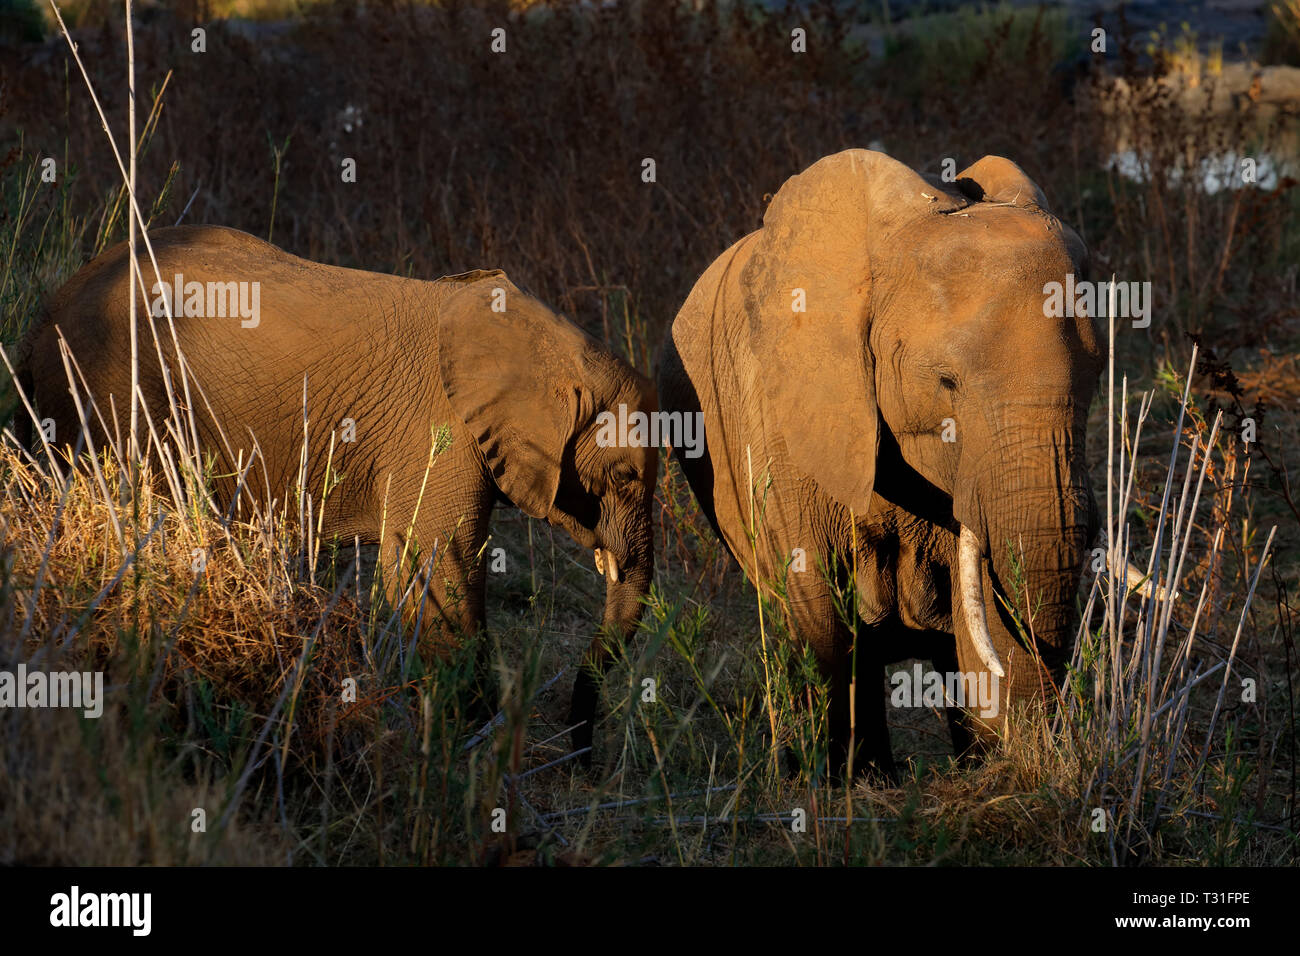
x: 391, y: 360
x: 878, y: 361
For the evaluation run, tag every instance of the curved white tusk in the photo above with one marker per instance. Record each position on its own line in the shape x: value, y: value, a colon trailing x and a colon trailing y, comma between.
x: 607, y: 565
x: 972, y: 600
x: 1134, y: 576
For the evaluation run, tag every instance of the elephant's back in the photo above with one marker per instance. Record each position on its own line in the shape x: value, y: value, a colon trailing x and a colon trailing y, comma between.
x: 294, y: 291
x: 347, y: 332
x: 234, y: 300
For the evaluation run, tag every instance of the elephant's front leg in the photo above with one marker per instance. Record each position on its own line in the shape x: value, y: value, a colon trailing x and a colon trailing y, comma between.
x: 434, y: 574
x: 864, y: 731
x: 583, y: 705
x: 943, y: 657
x: 857, y: 716
x: 438, y: 589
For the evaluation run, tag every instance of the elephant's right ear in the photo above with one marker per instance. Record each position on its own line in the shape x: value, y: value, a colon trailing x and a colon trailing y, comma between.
x: 508, y: 367
x: 808, y: 300
x: 997, y: 179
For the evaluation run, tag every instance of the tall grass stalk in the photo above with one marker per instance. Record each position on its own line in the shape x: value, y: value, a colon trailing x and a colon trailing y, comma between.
x: 1138, y: 762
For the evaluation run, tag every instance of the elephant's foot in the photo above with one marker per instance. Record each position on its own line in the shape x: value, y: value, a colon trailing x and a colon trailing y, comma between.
x: 968, y: 747
x: 874, y: 764
x: 876, y: 768
x: 867, y: 739
x: 878, y: 771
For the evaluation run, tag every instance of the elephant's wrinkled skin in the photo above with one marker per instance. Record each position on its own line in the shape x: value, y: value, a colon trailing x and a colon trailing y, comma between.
x: 520, y: 390
x: 924, y: 311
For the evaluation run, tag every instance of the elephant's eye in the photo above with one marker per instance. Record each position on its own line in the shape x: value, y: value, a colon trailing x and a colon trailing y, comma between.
x: 948, y: 382
x: 623, y: 475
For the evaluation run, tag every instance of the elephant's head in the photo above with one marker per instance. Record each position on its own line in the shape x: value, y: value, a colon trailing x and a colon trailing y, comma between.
x: 531, y: 387
x: 935, y: 371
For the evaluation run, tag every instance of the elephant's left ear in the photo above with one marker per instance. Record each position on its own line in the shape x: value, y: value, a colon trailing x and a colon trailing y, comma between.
x: 997, y: 179
x: 510, y: 369
x: 807, y: 297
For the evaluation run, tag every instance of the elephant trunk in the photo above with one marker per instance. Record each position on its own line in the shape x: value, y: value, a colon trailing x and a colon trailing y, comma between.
x: 624, y: 589
x: 627, y: 582
x: 1030, y: 535
x: 1035, y: 566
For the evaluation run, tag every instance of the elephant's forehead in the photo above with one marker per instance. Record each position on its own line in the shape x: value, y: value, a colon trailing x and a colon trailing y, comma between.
x: 987, y: 241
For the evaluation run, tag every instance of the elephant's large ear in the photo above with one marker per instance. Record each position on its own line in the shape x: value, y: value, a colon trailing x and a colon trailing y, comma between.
x: 996, y: 179
x: 512, y: 376
x: 808, y: 299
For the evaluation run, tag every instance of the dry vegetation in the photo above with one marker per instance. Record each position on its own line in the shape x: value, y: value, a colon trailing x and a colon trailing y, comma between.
x: 225, y: 685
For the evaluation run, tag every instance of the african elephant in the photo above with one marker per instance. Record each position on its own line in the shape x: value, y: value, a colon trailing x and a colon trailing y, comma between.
x: 393, y: 360
x: 879, y: 352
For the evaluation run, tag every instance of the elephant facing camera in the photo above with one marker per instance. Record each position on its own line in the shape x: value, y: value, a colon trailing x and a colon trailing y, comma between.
x: 917, y: 425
